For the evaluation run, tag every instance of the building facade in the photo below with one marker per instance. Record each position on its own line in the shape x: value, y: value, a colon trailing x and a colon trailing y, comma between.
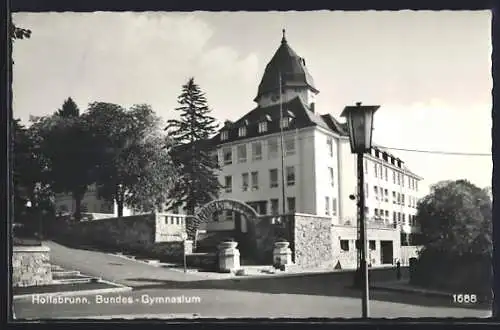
x: 319, y: 171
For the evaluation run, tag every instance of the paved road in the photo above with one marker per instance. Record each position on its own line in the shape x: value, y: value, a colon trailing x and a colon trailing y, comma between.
x: 297, y: 297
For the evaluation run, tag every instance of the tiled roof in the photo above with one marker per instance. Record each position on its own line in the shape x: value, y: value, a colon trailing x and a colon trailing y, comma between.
x: 291, y: 67
x: 302, y: 117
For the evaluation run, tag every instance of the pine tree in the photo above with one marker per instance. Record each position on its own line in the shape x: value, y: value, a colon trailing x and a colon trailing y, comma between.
x: 197, y: 183
x: 69, y: 109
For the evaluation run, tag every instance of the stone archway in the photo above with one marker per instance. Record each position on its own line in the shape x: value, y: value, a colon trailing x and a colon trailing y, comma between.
x: 204, y: 214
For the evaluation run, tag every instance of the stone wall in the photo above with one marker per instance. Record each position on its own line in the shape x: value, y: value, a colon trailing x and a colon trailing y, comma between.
x: 170, y: 251
x: 312, y: 241
x: 133, y: 232
x: 31, y: 266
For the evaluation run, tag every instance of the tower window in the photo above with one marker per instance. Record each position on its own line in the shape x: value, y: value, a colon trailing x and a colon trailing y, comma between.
x: 224, y: 135
x: 263, y: 127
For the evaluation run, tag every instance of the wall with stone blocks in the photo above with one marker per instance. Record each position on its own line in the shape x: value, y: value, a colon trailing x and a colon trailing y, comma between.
x: 31, y: 266
x: 312, y: 241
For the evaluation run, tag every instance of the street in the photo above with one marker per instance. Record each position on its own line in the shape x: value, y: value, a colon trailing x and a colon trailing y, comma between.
x: 202, y: 296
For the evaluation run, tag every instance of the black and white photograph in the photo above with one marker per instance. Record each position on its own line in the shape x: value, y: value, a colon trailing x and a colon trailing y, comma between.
x: 236, y: 165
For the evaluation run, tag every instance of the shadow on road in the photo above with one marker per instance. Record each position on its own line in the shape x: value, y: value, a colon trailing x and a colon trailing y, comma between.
x: 321, y: 285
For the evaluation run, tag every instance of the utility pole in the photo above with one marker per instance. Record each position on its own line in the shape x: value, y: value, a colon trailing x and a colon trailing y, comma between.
x: 283, y: 179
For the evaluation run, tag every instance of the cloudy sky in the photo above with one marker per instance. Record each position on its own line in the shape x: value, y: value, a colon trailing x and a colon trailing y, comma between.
x: 429, y: 71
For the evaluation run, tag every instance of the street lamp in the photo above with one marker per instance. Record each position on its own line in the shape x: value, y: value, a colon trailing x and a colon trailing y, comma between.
x: 360, y: 127
x: 184, y: 237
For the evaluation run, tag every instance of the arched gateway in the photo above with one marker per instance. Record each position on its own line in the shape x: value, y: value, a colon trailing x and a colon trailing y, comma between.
x: 204, y: 214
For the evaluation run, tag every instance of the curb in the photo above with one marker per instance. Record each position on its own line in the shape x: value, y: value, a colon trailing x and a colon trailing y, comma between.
x: 416, y: 291
x: 117, y: 288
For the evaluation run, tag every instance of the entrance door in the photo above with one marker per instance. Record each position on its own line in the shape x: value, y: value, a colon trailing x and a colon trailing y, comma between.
x: 386, y: 252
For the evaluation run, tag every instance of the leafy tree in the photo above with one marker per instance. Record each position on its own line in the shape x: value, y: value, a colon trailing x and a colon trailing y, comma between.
x: 134, y: 170
x: 29, y: 172
x: 456, y: 219
x: 69, y: 109
x: 198, y: 183
x: 67, y: 144
x: 18, y: 33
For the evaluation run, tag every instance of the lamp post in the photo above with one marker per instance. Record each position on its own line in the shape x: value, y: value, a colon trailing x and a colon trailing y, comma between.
x: 360, y: 126
x: 184, y: 237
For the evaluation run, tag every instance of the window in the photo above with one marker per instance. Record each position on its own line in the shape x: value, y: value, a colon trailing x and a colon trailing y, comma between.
x: 366, y: 190
x: 272, y: 148
x: 334, y: 206
x: 386, y: 174
x: 399, y: 198
x: 290, y: 175
x: 291, y: 204
x: 376, y: 213
x: 375, y: 190
x: 399, y: 217
x: 402, y: 199
x: 273, y: 178
x: 255, y: 180
x: 242, y: 153
x: 274, y: 206
x: 285, y: 122
x: 402, y: 180
x: 409, y: 183
x: 366, y: 166
x: 228, y: 183
x: 399, y: 178
x: 410, y: 201
x: 372, y: 245
x: 177, y: 221
x: 256, y: 151
x: 290, y: 146
x: 244, y: 181
x: 224, y: 135
x: 242, y: 131
x: 416, y: 185
x: 393, y: 177
x: 393, y: 197
x: 329, y: 143
x: 332, y: 177
x: 327, y: 205
x: 386, y: 195
x: 381, y: 171
x: 344, y: 245
x: 375, y: 169
x: 403, y: 216
x: 387, y: 214
x: 228, y: 156
x: 394, y: 217
x: 263, y: 127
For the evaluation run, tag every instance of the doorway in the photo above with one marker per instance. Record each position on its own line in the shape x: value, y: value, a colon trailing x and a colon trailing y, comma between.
x: 386, y: 252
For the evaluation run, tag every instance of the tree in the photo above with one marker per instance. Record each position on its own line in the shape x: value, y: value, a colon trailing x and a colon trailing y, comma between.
x: 456, y: 219
x: 18, y: 33
x: 30, y: 181
x: 69, y: 109
x: 197, y: 183
x: 67, y: 143
x: 134, y: 170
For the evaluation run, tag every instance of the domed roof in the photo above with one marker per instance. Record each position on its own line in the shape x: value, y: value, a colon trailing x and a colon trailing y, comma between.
x: 292, y: 68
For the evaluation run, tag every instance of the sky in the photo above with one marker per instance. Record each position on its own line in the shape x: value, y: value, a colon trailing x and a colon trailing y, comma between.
x: 430, y: 72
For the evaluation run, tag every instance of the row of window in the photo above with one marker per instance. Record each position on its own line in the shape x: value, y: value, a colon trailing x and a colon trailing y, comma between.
x: 344, y: 245
x: 397, y: 217
x: 256, y: 151
x: 382, y: 172
x: 251, y: 180
x: 382, y: 194
x: 261, y: 128
x: 261, y: 207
